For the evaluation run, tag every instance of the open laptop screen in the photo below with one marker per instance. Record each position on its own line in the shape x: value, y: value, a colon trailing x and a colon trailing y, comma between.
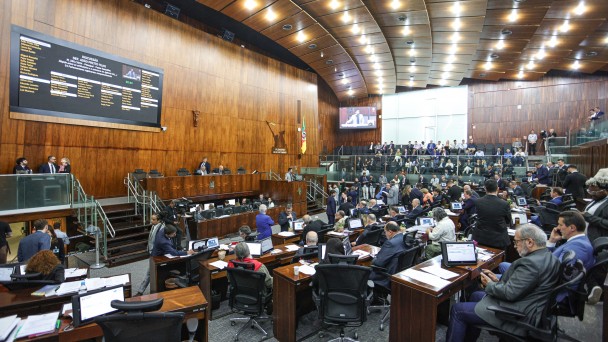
x: 456, y: 205
x: 266, y: 245
x: 321, y: 251
x: 458, y: 253
x: 426, y: 221
x: 255, y: 249
x: 355, y: 223
x: 95, y: 303
x: 298, y: 225
x: 213, y: 242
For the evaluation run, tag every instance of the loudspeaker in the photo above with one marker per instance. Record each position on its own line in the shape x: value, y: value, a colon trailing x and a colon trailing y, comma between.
x: 227, y: 35
x: 172, y: 11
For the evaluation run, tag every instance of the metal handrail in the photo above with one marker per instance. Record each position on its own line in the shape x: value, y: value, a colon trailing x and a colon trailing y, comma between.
x: 316, y: 190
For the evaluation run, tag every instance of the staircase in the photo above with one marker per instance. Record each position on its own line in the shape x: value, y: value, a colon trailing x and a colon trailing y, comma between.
x: 131, y: 235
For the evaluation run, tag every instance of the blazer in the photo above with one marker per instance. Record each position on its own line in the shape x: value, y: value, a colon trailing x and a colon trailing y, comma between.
x: 284, y: 221
x: 416, y: 193
x: 32, y: 244
x: 542, y: 174
x: 263, y: 225
x: 163, y: 245
x: 468, y: 209
x: 518, y: 191
x: 415, y: 212
x: 18, y: 168
x: 494, y: 218
x: 454, y: 193
x: 598, y: 223
x: 315, y: 225
x: 207, y: 166
x: 524, y: 287
x: 393, y: 196
x: 46, y: 168
x: 581, y: 246
x: 387, y: 258
x: 574, y: 184
x: 331, y: 206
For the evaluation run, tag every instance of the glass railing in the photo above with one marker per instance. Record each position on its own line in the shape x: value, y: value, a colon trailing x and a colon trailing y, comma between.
x: 473, y: 169
x: 594, y: 130
x: 25, y: 193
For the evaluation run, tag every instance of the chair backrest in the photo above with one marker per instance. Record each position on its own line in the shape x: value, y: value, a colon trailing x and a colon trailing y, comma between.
x: 305, y: 256
x: 600, y: 244
x: 342, y: 293
x: 247, y: 290
x: 326, y: 228
x: 371, y: 238
x: 408, y: 258
x: 243, y: 265
x: 183, y: 172
x: 137, y: 325
x: 343, y: 259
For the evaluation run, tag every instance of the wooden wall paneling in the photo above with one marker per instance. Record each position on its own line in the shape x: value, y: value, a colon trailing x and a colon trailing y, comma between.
x: 235, y: 90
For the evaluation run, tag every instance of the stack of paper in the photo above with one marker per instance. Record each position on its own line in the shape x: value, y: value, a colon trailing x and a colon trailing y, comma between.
x: 426, y: 278
x: 219, y: 264
x: 117, y: 280
x: 36, y: 325
x: 307, y: 270
x: 361, y: 253
x: 68, y: 287
x: 287, y: 234
x: 75, y: 272
x: 7, y: 325
x: 292, y: 248
x: 440, y: 272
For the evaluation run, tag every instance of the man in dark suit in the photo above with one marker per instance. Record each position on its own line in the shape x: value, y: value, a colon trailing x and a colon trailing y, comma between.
x: 170, y: 217
x: 517, y: 190
x: 387, y: 257
x: 502, y: 184
x: 206, y: 165
x: 525, y: 287
x: 310, y: 225
x: 454, y: 191
x: 416, y: 209
x: 50, y: 166
x: 468, y: 208
x: 286, y: 217
x: 331, y: 207
x: 370, y: 220
x: 309, y: 240
x: 574, y: 183
x: 163, y: 243
x: 494, y: 218
x: 542, y: 174
x: 416, y: 193
x: 21, y: 166
x: 35, y: 242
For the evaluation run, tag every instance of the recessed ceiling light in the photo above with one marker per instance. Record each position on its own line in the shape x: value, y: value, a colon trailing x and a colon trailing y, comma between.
x: 312, y: 46
x: 345, y: 17
x: 270, y: 15
x: 513, y: 16
x: 576, y: 65
x: 287, y: 27
x: 445, y: 75
x: 448, y: 67
x: 451, y: 59
x: 455, y: 37
x: 376, y: 66
x: 406, y: 31
x: 580, y: 9
x: 506, y: 32
x: 494, y: 56
x: 540, y: 54
x: 350, y: 92
x: 453, y: 49
x: 530, y: 64
x: 553, y: 41
x: 565, y: 26
x: 250, y: 4
x: 412, y: 60
x: 456, y: 8
x: 488, y: 65
x: 412, y: 68
x: 329, y: 61
x: 378, y: 72
x: 412, y: 53
x: 301, y: 37
x: 456, y: 24
x: 344, y: 81
x: 500, y: 45
x: 363, y: 39
x: 395, y: 4
x: 591, y: 54
x: 334, y: 4
x: 520, y: 74
x: 402, y: 18
x: 322, y: 54
x: 411, y: 77
x: 443, y: 82
x: 409, y: 42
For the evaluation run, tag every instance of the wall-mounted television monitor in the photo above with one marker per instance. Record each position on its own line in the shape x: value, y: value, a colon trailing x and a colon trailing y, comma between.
x: 51, y: 77
x: 357, y: 117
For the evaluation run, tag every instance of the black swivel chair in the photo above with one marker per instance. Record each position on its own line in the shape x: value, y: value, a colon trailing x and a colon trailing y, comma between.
x: 406, y: 260
x: 326, y: 228
x: 248, y: 296
x: 570, y: 275
x: 338, y: 259
x: 342, y: 296
x: 371, y: 238
x: 139, y: 174
x: 305, y: 256
x: 154, y: 173
x: 183, y: 172
x: 192, y: 275
x: 138, y: 324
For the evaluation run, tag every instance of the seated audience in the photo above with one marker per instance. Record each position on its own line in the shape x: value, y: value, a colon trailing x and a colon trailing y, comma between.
x: 35, y: 242
x: 47, y: 264
x: 525, y: 287
x: 242, y: 253
x: 444, y: 230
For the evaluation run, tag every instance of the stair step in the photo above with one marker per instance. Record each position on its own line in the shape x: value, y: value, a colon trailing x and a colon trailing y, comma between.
x: 124, y: 244
x: 137, y: 223
x: 117, y: 208
x: 127, y: 258
x: 124, y: 217
x: 142, y: 235
x: 139, y: 228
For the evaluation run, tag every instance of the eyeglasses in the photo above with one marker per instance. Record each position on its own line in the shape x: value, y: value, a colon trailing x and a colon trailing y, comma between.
x: 590, y: 192
x: 516, y: 241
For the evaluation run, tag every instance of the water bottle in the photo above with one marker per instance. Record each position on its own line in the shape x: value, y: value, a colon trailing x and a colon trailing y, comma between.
x: 83, y: 288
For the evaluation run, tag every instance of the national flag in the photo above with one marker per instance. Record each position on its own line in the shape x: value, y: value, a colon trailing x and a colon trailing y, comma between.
x: 303, y: 144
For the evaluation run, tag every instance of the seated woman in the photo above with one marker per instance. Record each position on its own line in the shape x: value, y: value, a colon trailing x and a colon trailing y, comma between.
x: 333, y: 246
x: 47, y: 264
x: 444, y: 230
x: 244, y: 255
x: 427, y: 197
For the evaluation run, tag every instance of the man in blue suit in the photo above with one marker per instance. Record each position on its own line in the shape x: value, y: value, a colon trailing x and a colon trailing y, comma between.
x: 387, y: 257
x: 49, y: 166
x: 331, y: 207
x: 542, y: 174
x: 35, y: 242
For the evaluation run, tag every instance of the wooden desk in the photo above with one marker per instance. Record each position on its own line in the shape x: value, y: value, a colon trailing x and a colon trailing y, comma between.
x: 160, y: 267
x: 283, y: 240
x: 286, y: 289
x: 189, y: 300
x: 352, y: 235
x: 605, y: 324
x: 414, y: 304
x: 204, y: 188
x: 21, y: 302
x: 209, y: 273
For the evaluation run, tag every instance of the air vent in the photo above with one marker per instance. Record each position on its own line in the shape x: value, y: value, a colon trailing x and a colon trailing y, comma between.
x: 591, y: 54
x: 494, y: 56
x: 329, y: 61
x: 287, y: 27
x: 410, y: 42
x: 482, y: 75
x: 412, y: 60
x: 402, y: 18
x: 312, y: 46
x: 506, y: 32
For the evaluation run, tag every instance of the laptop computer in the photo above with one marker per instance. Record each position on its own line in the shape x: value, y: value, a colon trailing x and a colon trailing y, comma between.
x: 401, y: 210
x: 266, y: 245
x: 521, y: 201
x: 355, y: 223
x: 321, y: 250
x: 348, y: 249
x: 426, y: 221
x: 456, y: 205
x: 297, y: 225
x: 458, y: 253
x: 255, y: 249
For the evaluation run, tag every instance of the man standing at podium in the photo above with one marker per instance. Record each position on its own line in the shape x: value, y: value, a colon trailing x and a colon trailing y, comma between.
x: 289, y: 175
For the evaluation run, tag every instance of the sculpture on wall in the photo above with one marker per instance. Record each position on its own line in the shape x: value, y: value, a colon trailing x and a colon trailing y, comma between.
x: 195, y: 115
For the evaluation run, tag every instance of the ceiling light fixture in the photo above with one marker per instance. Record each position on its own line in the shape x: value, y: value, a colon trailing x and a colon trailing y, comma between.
x: 355, y: 28
x: 345, y: 17
x: 287, y: 27
x: 553, y: 41
x: 488, y: 65
x: 455, y: 37
x: 513, y: 16
x: 369, y: 49
x: 412, y: 53
x: 363, y: 40
x: 580, y: 9
x: 411, y: 83
x: 576, y: 65
x: 406, y: 31
x: 443, y: 82
x: 301, y: 37
x: 565, y: 26
x: 453, y: 49
x: 321, y: 54
x: 270, y: 15
x: 456, y: 24
x: 334, y: 4
x: 412, y: 68
x: 395, y: 4
x: 344, y: 81
x: 445, y: 75
x: 520, y: 74
x: 530, y: 65
x: 448, y: 67
x: 378, y: 72
x: 506, y: 32
x: 456, y: 8
x: 451, y: 58
x: 250, y: 4
x: 541, y: 53
x: 500, y: 45
x: 350, y: 92
x: 376, y: 66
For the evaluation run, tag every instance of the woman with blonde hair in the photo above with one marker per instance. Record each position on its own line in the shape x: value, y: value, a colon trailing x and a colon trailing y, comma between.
x: 65, y: 166
x: 427, y: 197
x: 47, y: 264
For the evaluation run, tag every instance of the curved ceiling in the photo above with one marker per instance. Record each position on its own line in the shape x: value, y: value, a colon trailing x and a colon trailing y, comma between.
x: 371, y: 47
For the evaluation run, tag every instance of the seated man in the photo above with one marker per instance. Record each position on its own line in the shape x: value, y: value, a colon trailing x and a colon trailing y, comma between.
x: 243, y: 254
x: 556, y: 200
x: 369, y: 221
x: 35, y: 242
x: 393, y: 212
x: 517, y: 190
x: 164, y: 245
x: 416, y: 209
x: 287, y: 217
x: 525, y: 287
x: 340, y: 221
x: 361, y: 209
x: 310, y: 226
x: 245, y: 233
x: 387, y: 257
x: 311, y: 240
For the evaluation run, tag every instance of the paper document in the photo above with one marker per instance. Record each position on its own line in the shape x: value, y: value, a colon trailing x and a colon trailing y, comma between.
x: 307, y: 270
x: 219, y: 264
x: 67, y: 310
x: 39, y: 325
x: 292, y: 248
x: 287, y: 234
x: 117, y: 280
x: 7, y: 324
x: 171, y: 256
x: 5, y: 273
x: 94, y: 283
x: 276, y: 251
x: 68, y: 287
x: 361, y: 253
x: 511, y: 232
x: 424, y: 278
x: 337, y: 234
x: 75, y: 272
x: 440, y: 272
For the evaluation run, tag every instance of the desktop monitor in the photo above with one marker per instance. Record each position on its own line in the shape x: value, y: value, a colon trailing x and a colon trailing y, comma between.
x: 193, y: 209
x: 443, y: 185
x: 456, y: 206
x: 355, y: 223
x: 401, y: 210
x: 197, y: 245
x: 348, y: 248
x: 231, y: 201
x: 213, y: 242
x: 426, y: 221
x: 228, y: 210
x: 521, y: 201
x: 297, y: 225
x: 92, y: 304
x: 206, y: 206
x: 458, y: 253
x: 219, y: 207
x: 321, y: 250
x: 266, y: 245
x: 255, y: 249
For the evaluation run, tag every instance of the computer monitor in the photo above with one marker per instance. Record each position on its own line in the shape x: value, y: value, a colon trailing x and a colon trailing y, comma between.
x: 352, y: 212
x: 255, y: 249
x: 379, y: 202
x: 321, y: 250
x: 206, y: 206
x: 92, y: 304
x: 355, y: 223
x: 266, y: 245
x: 401, y: 210
x: 193, y: 209
x: 456, y: 206
x: 231, y: 201
x: 458, y: 253
x: 213, y: 242
x: 197, y: 245
x: 426, y: 221
x: 443, y: 185
x: 521, y: 201
x: 6, y: 271
x: 219, y: 207
x: 208, y: 214
x: 297, y: 225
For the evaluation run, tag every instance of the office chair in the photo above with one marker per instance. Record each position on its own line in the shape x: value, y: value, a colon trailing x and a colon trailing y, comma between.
x: 241, y: 171
x: 192, y: 275
x: 406, y: 260
x: 326, y: 228
x: 372, y: 237
x: 138, y: 324
x: 570, y: 275
x: 243, y: 265
x: 139, y: 174
x: 338, y: 259
x: 304, y: 256
x: 25, y: 281
x: 248, y: 296
x: 342, y: 297
x: 154, y: 173
x: 183, y: 172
